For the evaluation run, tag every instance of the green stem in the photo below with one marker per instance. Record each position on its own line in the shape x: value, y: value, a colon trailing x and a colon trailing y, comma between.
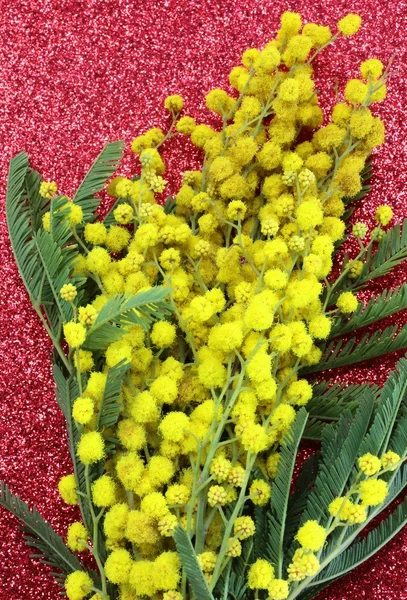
x: 95, y: 535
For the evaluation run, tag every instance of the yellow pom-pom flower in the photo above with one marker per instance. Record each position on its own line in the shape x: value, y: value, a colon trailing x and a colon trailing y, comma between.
x: 260, y: 575
x: 77, y: 537
x: 163, y: 334
x: 82, y: 410
x: 347, y: 302
x: 174, y: 103
x: 373, y: 491
x: 67, y: 489
x: 311, y: 535
x: 350, y: 24
x: 369, y: 464
x: 68, y: 292
x: 91, y: 447
x: 118, y: 566
x: 384, y: 215
x: 78, y: 585
x: 75, y: 334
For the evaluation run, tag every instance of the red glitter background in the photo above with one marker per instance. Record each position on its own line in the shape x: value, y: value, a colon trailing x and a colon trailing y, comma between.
x: 74, y: 74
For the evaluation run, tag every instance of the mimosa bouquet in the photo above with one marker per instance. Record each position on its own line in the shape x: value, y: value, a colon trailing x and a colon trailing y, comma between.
x: 190, y: 337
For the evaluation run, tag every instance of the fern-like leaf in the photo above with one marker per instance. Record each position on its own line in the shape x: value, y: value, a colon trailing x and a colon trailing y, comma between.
x: 66, y: 393
x: 390, y: 252
x: 388, y: 303
x: 280, y: 490
x: 336, y: 353
x: 122, y: 311
x: 49, y: 546
x: 95, y: 179
x: 191, y: 566
x: 329, y: 401
x: 391, y: 399
x: 110, y: 406
x: 340, y: 449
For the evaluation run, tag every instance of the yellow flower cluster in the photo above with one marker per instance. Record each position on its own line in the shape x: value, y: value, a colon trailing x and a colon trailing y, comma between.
x: 212, y: 392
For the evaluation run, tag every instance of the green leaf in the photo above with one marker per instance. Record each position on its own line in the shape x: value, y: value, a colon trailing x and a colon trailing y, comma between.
x: 360, y: 551
x: 20, y: 224
x: 191, y: 565
x: 111, y: 405
x: 49, y: 546
x: 66, y: 393
x: 391, y: 398
x: 95, y: 179
x: 339, y: 354
x: 388, y: 303
x: 123, y: 311
x: 329, y: 401
x: 390, y: 252
x: 280, y: 490
x: 339, y: 451
x: 299, y: 498
x: 170, y: 205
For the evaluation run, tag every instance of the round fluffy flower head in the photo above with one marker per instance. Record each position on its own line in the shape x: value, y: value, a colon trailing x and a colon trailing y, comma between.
x: 260, y: 575
x: 303, y: 565
x: 67, y: 489
x: 173, y: 426
x: 220, y: 468
x: 174, y: 103
x: 104, y: 491
x: 356, y: 268
x: 91, y: 447
x: 311, y: 535
x: 207, y: 561
x: 68, y: 292
x: 244, y: 527
x: 82, y: 410
x: 359, y: 230
x: 75, y: 334
x: 340, y: 506
x: 356, y: 91
x: 163, y: 334
x: 76, y: 537
x: 118, y: 566
x: 373, y: 67
x: 290, y: 24
x: 48, y: 189
x: 87, y: 315
x: 46, y: 221
x: 78, y: 585
x: 347, y: 302
x: 320, y: 327
x: 167, y: 525
x: 186, y: 125
x: 236, y: 210
x: 278, y: 589
x: 390, y: 460
x: 299, y: 392
x: 384, y: 214
x: 254, y: 438
x: 234, y: 548
x: 123, y: 214
x: 98, y: 260
x: 373, y: 491
x: 217, y: 496
x: 95, y: 233
x: 369, y: 464
x: 260, y: 492
x: 350, y: 24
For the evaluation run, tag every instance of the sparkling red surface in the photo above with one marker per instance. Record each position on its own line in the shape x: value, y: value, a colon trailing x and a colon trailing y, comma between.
x: 74, y: 74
